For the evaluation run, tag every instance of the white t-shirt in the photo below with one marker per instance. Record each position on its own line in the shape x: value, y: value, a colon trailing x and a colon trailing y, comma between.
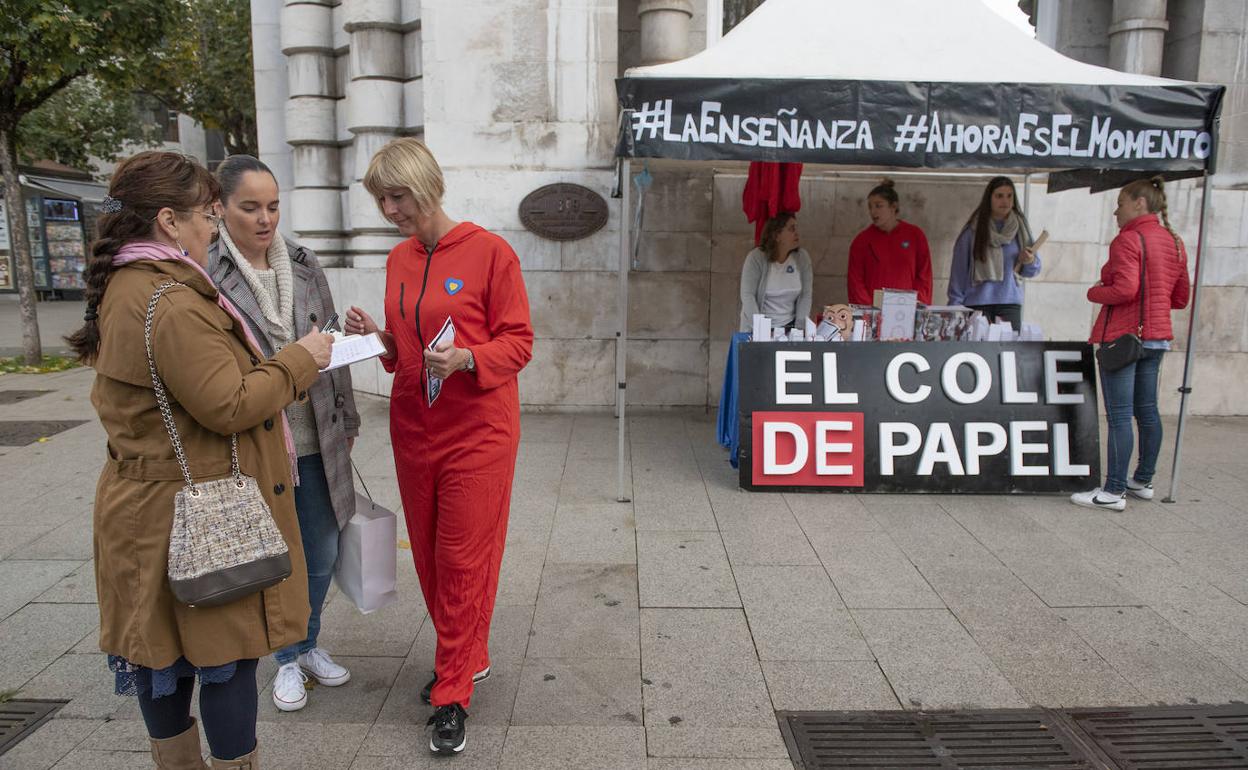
x: 784, y: 285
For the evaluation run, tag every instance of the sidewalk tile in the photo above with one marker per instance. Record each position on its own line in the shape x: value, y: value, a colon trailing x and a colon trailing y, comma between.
x: 796, y: 614
x: 81, y: 759
x: 871, y: 572
x: 78, y: 587
x: 696, y: 693
x: 36, y: 635
x: 358, y: 701
x: 569, y: 691
x: 49, y: 744
x: 595, y: 534
x: 86, y: 682
x: 388, y: 632
x: 1162, y: 662
x: 520, y: 576
x: 685, y: 741
x: 831, y: 513
x: 932, y: 662
x: 285, y: 745
x: 656, y: 763
x: 23, y: 581
x: 14, y: 537
x: 492, y: 699
x: 828, y: 686
x: 773, y: 540
x: 695, y: 634
x: 72, y: 540
x: 406, y: 747
x: 574, y: 748
x: 684, y: 569
x: 586, y: 611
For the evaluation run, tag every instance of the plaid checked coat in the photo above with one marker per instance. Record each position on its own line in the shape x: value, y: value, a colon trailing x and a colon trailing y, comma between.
x: 333, y: 401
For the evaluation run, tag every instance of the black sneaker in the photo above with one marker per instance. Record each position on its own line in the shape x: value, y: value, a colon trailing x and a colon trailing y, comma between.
x: 427, y: 690
x: 448, y: 735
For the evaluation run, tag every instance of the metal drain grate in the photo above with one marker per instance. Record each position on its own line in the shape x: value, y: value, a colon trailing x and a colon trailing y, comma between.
x: 903, y: 740
x: 23, y: 432
x: 16, y: 396
x: 20, y: 718
x: 1181, y: 737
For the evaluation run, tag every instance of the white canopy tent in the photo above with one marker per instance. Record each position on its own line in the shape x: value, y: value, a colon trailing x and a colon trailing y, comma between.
x: 908, y: 84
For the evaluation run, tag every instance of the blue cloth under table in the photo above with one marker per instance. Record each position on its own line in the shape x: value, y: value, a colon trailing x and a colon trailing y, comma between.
x: 729, y: 428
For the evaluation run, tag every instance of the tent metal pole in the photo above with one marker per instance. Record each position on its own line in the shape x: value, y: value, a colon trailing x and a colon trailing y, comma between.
x: 1186, y: 388
x: 621, y: 337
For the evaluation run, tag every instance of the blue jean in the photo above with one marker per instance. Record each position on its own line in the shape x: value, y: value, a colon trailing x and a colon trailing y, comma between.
x: 318, y: 528
x: 1132, y: 391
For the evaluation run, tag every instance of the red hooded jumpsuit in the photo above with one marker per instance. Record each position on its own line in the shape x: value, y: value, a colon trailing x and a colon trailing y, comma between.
x: 455, y: 460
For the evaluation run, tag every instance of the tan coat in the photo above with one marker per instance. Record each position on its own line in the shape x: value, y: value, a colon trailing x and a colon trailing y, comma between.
x: 218, y: 387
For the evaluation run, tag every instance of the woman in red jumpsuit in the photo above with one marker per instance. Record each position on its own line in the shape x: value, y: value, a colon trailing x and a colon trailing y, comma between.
x: 455, y: 458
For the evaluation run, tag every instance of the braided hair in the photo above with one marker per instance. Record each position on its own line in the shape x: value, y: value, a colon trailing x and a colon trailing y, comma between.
x: 141, y: 186
x: 1153, y: 191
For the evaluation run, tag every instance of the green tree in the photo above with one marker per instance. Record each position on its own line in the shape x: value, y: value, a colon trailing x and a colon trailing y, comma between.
x: 86, y: 121
x: 208, y: 73
x: 45, y: 46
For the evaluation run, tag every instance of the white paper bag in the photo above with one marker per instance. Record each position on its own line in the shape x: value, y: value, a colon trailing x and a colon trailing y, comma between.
x: 367, y: 548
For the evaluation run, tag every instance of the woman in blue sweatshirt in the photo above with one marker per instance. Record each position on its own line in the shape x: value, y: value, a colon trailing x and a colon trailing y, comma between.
x: 992, y: 251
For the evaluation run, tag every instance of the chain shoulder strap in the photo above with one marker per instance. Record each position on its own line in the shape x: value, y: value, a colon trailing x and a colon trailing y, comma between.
x: 162, y: 399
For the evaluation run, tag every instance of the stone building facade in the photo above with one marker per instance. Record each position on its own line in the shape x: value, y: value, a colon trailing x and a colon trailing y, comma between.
x: 514, y: 94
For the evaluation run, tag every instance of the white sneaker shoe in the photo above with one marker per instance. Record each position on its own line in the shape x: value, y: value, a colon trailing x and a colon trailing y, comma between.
x: 1099, y: 498
x: 289, y: 694
x: 323, y: 668
x: 1142, y: 491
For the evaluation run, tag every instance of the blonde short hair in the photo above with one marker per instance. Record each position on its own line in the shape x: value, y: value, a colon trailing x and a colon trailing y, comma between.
x: 406, y: 164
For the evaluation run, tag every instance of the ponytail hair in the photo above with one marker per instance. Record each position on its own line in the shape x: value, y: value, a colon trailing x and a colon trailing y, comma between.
x: 1153, y: 191
x: 886, y: 190
x: 141, y: 186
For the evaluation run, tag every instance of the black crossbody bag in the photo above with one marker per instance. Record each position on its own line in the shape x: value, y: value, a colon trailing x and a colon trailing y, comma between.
x: 1126, y: 349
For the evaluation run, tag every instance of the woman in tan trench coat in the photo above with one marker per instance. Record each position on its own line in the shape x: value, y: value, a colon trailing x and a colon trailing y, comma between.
x: 156, y: 228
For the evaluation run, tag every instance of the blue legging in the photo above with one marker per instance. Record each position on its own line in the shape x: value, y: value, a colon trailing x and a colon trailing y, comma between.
x: 228, y: 710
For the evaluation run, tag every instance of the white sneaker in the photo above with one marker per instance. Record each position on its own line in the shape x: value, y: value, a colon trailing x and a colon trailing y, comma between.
x: 1099, y: 498
x: 289, y: 694
x: 323, y: 668
x: 1142, y: 491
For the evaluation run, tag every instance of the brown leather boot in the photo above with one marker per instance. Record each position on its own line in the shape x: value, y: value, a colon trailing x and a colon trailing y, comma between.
x: 247, y: 762
x: 181, y: 752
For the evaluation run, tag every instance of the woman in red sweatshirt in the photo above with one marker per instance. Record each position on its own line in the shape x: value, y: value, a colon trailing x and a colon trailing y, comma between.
x: 890, y: 253
x: 1145, y: 278
x: 455, y: 457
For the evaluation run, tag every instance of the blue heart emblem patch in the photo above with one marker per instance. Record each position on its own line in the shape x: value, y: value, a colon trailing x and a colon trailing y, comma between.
x: 453, y: 285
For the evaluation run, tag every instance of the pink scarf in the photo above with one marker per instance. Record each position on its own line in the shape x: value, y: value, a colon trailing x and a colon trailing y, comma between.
x: 156, y: 251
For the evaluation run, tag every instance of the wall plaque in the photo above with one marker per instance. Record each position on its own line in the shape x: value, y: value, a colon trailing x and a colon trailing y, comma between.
x: 563, y: 212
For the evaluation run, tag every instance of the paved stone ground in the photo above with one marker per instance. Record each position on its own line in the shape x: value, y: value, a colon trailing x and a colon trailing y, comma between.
x: 56, y: 319
x: 664, y: 634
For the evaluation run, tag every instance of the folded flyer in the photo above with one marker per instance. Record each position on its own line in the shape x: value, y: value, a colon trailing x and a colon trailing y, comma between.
x: 433, y: 385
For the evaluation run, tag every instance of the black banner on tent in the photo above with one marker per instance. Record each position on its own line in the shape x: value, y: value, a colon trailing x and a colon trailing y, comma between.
x: 920, y: 125
x: 950, y: 417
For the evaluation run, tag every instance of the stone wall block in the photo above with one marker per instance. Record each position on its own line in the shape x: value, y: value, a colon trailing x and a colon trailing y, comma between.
x: 679, y: 202
x: 522, y: 91
x: 668, y: 305
x: 535, y: 253
x: 375, y: 105
x: 725, y: 305
x: 1225, y: 16
x: 414, y: 105
x: 365, y: 216
x: 413, y: 52
x: 366, y: 145
x: 728, y: 252
x: 1070, y: 263
x: 1226, y: 218
x: 491, y: 198
x: 600, y: 251
x: 376, y: 53
x: 310, y: 119
x: 316, y: 210
x: 573, y: 305
x: 409, y: 13
x: 728, y: 216
x: 1061, y: 309
x: 342, y: 40
x: 830, y: 256
x: 371, y: 14
x: 570, y: 373
x: 668, y: 372
x: 679, y: 252
x: 1223, y: 267
x: 715, y: 373
x: 828, y: 290
x: 307, y: 27
x: 1209, y: 396
x: 1223, y: 322
x: 576, y: 99
x: 310, y: 74
x: 316, y: 165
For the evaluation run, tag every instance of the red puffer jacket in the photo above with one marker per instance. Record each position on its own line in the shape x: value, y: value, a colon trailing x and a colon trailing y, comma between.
x: 1166, y: 283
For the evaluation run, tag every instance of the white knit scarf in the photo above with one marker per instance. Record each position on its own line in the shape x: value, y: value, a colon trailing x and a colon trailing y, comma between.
x: 278, y: 311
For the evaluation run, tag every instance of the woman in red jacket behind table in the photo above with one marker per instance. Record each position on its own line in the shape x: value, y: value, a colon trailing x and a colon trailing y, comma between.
x: 890, y: 253
x: 1142, y: 241
x: 455, y: 458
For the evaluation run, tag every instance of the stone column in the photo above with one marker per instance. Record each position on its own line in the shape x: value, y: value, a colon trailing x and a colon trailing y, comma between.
x: 1137, y: 36
x: 374, y: 114
x: 311, y: 116
x: 664, y: 30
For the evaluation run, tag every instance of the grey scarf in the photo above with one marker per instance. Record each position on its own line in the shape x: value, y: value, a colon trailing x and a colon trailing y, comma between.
x: 278, y: 311
x: 993, y: 268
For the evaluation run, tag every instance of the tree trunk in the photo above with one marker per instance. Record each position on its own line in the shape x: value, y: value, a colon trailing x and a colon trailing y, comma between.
x: 24, y: 269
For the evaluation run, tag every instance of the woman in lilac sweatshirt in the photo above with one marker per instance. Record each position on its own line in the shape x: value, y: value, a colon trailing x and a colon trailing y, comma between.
x: 993, y: 249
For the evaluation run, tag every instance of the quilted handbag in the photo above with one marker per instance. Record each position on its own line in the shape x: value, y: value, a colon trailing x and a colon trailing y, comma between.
x: 1126, y: 349
x: 224, y: 544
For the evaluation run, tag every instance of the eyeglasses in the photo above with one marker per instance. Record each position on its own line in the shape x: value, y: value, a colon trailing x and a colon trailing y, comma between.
x: 213, y: 219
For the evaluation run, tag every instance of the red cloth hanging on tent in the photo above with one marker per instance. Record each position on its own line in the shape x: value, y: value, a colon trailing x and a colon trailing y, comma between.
x: 770, y: 189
